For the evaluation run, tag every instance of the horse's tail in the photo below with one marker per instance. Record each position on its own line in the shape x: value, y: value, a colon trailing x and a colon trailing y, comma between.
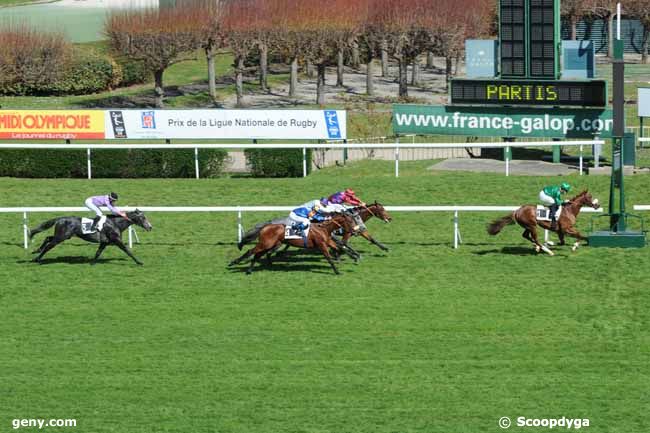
x: 252, y: 234
x: 497, y: 225
x: 44, y: 226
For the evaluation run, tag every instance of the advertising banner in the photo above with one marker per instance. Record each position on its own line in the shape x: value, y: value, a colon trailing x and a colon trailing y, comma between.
x: 502, y: 121
x: 644, y: 101
x: 226, y: 124
x: 52, y: 124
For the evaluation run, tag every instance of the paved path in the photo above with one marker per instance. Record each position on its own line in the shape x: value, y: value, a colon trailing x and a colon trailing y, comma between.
x: 518, y: 167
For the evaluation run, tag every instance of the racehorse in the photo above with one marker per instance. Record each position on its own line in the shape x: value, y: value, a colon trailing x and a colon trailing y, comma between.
x: 526, y: 217
x: 364, y: 213
x: 111, y: 233
x: 271, y: 236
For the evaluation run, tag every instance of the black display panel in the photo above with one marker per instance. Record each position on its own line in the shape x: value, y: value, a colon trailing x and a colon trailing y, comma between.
x: 529, y: 92
x: 512, y: 31
x: 542, y: 38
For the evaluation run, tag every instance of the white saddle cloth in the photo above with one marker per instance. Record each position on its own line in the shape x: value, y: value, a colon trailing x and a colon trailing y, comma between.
x: 289, y: 233
x: 86, y: 224
x: 544, y: 214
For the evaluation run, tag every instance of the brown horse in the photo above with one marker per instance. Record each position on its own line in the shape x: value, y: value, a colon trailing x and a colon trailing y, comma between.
x: 365, y: 213
x: 526, y: 217
x: 271, y: 237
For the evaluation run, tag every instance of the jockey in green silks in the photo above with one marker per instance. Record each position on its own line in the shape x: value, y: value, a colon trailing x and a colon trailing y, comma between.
x: 551, y: 196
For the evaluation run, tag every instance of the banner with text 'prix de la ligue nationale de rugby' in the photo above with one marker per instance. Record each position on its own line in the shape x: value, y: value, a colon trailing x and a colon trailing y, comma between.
x: 226, y: 124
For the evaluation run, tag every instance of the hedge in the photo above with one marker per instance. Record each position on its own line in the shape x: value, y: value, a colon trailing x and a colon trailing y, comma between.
x: 134, y: 163
x: 277, y: 162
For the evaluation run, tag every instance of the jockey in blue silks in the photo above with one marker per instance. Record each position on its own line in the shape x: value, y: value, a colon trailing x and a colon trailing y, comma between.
x: 314, y: 210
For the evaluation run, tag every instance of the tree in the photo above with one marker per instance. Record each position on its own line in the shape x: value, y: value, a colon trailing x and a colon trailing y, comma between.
x: 605, y: 9
x: 214, y: 39
x: 572, y: 11
x: 640, y: 9
x: 158, y: 38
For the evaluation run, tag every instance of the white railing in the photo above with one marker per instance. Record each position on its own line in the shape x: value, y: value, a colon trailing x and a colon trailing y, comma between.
x: 642, y: 207
x: 240, y: 209
x: 304, y: 146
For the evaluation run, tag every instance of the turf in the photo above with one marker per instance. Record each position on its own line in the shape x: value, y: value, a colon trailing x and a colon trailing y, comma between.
x: 420, y: 339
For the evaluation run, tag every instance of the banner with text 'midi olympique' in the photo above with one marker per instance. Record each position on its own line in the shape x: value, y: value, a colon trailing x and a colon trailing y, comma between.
x: 226, y: 124
x: 52, y: 124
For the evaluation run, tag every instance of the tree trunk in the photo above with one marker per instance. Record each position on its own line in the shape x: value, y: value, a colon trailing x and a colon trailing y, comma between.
x: 264, y: 66
x: 239, y: 81
x: 310, y: 69
x: 159, y: 89
x: 429, y: 60
x: 415, y: 73
x: 574, y: 28
x: 457, y: 64
x: 610, y: 36
x: 448, y: 65
x: 370, y: 88
x: 403, y: 78
x: 384, y: 58
x: 355, y: 61
x: 320, y: 84
x: 644, y: 49
x: 339, y: 68
x: 210, y: 54
x: 293, y: 80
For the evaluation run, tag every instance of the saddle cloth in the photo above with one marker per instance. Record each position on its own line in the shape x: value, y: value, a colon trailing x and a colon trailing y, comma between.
x: 544, y: 214
x: 290, y: 233
x: 86, y: 223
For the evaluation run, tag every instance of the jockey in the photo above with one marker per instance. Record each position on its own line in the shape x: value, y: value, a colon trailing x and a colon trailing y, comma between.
x: 312, y: 210
x: 346, y: 197
x: 551, y: 196
x: 93, y: 203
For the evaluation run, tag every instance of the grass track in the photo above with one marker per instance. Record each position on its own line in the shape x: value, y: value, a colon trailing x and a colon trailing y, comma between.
x: 422, y: 339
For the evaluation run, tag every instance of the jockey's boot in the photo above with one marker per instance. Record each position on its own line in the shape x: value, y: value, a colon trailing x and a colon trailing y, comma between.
x: 299, y: 229
x: 95, y: 222
x: 553, y: 210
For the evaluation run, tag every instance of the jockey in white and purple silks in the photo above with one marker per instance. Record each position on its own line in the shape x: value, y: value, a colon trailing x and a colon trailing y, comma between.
x: 93, y: 203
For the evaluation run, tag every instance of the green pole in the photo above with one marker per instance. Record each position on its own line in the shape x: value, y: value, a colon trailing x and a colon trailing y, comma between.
x: 641, y: 129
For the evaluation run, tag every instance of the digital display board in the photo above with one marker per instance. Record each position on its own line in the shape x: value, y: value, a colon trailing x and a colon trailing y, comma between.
x: 542, y: 38
x: 512, y: 33
x: 591, y: 93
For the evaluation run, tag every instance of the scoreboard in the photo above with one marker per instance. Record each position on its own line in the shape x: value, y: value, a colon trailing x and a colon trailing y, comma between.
x: 555, y: 93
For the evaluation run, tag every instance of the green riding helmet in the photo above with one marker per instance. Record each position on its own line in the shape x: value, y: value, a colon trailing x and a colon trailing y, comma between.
x: 565, y: 186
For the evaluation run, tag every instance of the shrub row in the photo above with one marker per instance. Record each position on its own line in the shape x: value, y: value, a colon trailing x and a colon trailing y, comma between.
x: 277, y: 162
x: 133, y: 163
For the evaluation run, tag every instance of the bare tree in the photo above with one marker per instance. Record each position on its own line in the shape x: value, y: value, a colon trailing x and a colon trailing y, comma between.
x: 640, y: 9
x: 158, y: 38
x: 572, y: 11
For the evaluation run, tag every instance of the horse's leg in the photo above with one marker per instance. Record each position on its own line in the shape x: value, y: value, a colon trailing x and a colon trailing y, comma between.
x: 45, y: 242
x: 346, y: 248
x: 99, y: 252
x: 256, y: 257
x: 372, y: 240
x: 126, y: 249
x: 243, y: 257
x: 535, y: 240
x: 575, y: 234
x: 45, y: 248
x: 324, y: 247
x: 269, y: 254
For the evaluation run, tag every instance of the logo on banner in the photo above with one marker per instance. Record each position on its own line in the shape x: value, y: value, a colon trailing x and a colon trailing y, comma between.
x: 332, y: 123
x: 117, y: 120
x: 148, y: 120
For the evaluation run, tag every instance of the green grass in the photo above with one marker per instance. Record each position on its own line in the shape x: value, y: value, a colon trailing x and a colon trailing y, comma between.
x: 420, y: 339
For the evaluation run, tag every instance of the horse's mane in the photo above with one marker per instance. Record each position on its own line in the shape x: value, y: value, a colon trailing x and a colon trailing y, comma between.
x: 579, y: 195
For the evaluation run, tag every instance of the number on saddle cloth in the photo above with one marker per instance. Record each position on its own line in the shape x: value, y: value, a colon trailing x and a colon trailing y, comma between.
x: 544, y: 213
x: 296, y: 231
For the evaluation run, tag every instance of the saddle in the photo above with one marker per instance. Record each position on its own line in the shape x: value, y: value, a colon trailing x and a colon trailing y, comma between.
x: 87, y: 223
x: 544, y: 214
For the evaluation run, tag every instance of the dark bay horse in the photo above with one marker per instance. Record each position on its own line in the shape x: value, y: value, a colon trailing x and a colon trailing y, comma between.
x: 271, y: 237
x: 111, y: 234
x: 526, y: 217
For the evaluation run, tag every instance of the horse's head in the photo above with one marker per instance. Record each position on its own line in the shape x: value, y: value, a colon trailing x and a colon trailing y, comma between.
x: 585, y: 199
x: 378, y: 210
x: 138, y: 218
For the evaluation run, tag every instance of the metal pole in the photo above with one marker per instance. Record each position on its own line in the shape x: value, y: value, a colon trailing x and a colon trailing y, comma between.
x: 240, y: 229
x: 88, y: 164
x: 618, y: 21
x: 641, y: 130
x: 580, y: 164
x: 507, y: 160
x: 304, y: 162
x: 456, y: 230
x: 25, y: 230
x: 130, y: 237
x: 196, y: 161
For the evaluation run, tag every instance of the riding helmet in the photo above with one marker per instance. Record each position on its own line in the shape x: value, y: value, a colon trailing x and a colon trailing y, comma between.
x: 113, y: 196
x: 324, y: 201
x: 565, y: 186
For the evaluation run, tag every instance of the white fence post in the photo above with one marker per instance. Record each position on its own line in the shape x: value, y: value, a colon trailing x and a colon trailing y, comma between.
x: 304, y: 162
x: 580, y: 164
x: 25, y: 231
x: 456, y: 231
x: 88, y: 164
x: 507, y: 160
x: 130, y: 237
x: 397, y: 157
x: 196, y: 161
x: 240, y: 229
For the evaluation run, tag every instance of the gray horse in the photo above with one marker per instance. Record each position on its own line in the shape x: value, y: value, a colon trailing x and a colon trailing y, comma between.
x: 111, y: 233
